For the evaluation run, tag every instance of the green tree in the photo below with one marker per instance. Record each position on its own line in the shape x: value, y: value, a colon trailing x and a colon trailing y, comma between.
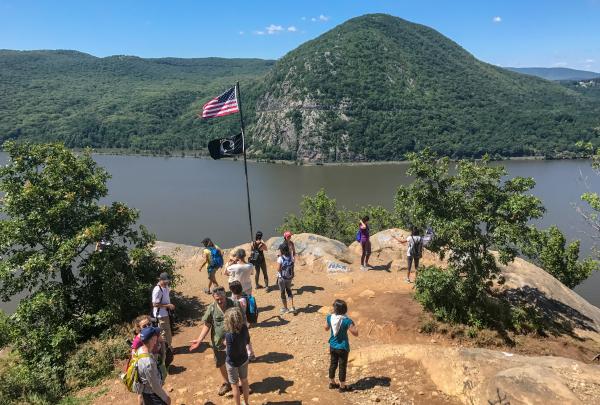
x: 549, y: 249
x: 472, y: 211
x: 51, y: 223
x: 320, y: 214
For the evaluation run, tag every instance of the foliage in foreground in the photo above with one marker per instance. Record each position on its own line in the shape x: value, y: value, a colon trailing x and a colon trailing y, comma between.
x: 320, y: 215
x: 70, y: 292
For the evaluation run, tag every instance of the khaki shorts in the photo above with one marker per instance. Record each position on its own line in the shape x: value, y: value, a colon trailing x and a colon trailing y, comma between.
x: 235, y: 373
x: 164, y: 323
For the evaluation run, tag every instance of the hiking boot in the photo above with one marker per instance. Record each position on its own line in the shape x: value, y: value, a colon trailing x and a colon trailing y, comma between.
x: 334, y: 386
x: 225, y: 388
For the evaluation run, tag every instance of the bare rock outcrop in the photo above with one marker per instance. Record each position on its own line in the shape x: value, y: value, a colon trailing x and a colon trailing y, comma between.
x: 481, y: 376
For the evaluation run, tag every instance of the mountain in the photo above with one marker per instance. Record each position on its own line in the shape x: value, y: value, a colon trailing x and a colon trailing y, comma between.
x: 117, y: 101
x: 556, y: 73
x: 372, y: 88
x: 378, y: 86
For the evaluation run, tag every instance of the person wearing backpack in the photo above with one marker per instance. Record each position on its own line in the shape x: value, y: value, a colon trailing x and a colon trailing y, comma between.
x: 285, y: 275
x: 245, y: 302
x: 150, y: 380
x: 287, y: 240
x: 213, y: 259
x: 257, y: 258
x: 363, y: 238
x: 414, y: 250
x: 161, y: 303
x: 238, y: 270
x: 339, y: 345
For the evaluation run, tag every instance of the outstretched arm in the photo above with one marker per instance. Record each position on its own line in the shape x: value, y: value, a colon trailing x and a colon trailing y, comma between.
x: 196, y: 342
x: 353, y: 329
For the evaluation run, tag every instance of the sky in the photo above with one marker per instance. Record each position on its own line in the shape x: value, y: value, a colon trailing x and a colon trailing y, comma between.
x: 549, y: 33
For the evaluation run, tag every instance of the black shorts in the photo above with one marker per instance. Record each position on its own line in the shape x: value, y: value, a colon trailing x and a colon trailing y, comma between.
x: 220, y: 356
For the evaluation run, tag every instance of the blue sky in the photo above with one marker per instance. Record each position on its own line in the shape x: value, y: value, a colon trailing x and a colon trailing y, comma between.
x: 507, y: 33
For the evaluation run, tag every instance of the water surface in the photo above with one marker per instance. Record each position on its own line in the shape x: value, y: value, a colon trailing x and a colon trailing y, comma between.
x: 184, y: 200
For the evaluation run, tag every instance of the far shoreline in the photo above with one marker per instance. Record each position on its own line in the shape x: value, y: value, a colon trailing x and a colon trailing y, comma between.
x: 195, y: 154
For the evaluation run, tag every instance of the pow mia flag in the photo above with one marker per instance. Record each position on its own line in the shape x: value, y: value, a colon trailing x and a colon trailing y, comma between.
x: 226, y: 147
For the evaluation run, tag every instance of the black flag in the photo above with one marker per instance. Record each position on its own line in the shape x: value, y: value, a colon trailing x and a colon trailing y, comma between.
x: 226, y: 147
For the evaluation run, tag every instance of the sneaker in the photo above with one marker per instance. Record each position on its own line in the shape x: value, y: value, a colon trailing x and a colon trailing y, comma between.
x: 225, y: 388
x: 333, y: 386
x: 363, y: 268
x: 206, y: 291
x: 251, y: 358
x: 408, y: 280
x: 292, y: 310
x: 258, y: 286
x: 283, y: 310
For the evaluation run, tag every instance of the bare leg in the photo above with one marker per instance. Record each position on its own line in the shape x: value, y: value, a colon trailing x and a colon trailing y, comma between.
x: 245, y: 389
x: 223, y: 371
x: 236, y: 393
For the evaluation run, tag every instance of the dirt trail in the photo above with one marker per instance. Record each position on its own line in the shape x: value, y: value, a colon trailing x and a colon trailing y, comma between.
x: 292, y: 350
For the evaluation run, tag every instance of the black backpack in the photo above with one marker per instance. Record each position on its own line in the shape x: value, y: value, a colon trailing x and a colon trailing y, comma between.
x: 416, y: 249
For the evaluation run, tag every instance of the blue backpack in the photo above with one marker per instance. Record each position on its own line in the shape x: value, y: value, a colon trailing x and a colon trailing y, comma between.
x: 251, y: 308
x: 216, y: 260
x: 358, y: 235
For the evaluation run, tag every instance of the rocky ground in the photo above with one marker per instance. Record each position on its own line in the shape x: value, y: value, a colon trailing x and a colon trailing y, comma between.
x: 392, y: 361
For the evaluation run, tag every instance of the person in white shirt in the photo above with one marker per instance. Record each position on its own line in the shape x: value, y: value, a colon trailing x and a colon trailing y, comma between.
x: 238, y: 270
x: 414, y: 250
x: 161, y: 301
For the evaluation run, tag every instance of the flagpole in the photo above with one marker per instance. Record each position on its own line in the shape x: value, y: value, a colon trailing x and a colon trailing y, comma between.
x: 239, y: 101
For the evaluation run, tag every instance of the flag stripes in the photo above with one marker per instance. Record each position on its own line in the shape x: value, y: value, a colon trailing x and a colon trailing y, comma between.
x: 223, y: 105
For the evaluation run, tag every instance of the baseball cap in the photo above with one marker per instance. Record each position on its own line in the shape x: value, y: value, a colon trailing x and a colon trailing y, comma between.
x: 164, y: 276
x: 287, y: 234
x: 147, y: 333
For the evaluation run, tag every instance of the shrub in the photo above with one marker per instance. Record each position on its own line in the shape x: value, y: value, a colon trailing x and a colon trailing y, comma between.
x: 319, y: 214
x: 20, y: 384
x: 94, y: 360
x: 440, y: 292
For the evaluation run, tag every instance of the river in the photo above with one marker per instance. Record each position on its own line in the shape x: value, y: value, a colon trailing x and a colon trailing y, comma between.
x: 184, y: 200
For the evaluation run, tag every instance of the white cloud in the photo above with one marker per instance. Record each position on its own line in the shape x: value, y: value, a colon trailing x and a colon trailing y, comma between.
x: 313, y: 19
x: 590, y: 61
x: 497, y: 19
x: 323, y: 18
x: 259, y: 32
x: 274, y: 29
x: 292, y: 28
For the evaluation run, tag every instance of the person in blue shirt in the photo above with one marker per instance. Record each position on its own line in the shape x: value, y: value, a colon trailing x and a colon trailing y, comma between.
x: 339, y: 346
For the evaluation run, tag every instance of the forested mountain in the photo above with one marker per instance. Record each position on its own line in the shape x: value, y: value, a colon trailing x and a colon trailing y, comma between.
x: 114, y: 102
x: 556, y: 73
x: 378, y: 86
x: 372, y: 88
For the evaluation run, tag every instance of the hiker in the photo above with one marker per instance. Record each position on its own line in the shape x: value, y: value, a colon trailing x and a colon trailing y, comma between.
x: 238, y: 270
x: 213, y: 259
x: 257, y: 258
x: 365, y: 243
x: 150, y: 377
x: 287, y: 239
x: 339, y: 345
x: 237, y: 294
x: 285, y: 275
x: 213, y: 322
x: 236, y: 361
x: 414, y: 250
x: 141, y: 322
x: 161, y: 301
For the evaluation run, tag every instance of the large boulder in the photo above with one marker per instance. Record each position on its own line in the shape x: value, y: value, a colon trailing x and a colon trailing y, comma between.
x: 526, y: 281
x: 315, y: 247
x: 481, y: 376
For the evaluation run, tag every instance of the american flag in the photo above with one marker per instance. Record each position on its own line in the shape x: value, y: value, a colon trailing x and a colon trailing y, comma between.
x: 220, y: 106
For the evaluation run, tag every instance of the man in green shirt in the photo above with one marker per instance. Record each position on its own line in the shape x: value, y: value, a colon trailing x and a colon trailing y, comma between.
x: 213, y: 322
